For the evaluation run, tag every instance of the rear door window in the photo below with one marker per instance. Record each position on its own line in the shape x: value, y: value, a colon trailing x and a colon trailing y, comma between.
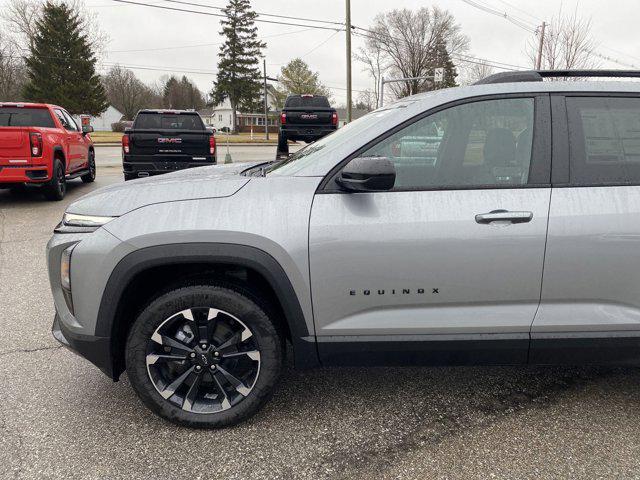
x: 307, y: 102
x: 155, y: 121
x: 25, y: 117
x: 604, y: 140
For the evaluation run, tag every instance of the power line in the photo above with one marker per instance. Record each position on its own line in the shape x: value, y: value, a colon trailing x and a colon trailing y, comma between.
x: 460, y: 57
x: 524, y: 24
x: 521, y: 10
x: 203, y: 44
x: 219, y: 15
x: 262, y: 14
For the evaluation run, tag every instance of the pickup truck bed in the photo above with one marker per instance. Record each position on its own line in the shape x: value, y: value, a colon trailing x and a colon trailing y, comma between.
x: 165, y: 141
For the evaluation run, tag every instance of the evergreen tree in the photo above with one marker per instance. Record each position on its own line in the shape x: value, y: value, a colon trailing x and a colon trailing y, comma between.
x: 61, y: 64
x: 182, y: 94
x: 238, y: 70
x: 440, y: 58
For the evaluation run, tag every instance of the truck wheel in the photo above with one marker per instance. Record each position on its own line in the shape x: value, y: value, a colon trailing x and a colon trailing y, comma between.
x: 205, y: 356
x: 57, y: 186
x: 283, y: 146
x: 91, y: 176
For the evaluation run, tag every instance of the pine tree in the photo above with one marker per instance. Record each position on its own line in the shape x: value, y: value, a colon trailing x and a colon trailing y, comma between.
x: 61, y: 64
x: 238, y: 70
x: 442, y: 59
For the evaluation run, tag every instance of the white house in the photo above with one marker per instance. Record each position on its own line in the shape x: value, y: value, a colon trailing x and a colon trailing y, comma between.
x: 219, y: 116
x: 103, y: 122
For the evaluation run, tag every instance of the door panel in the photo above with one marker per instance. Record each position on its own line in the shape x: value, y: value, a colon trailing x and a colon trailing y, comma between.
x: 592, y: 276
x: 417, y: 262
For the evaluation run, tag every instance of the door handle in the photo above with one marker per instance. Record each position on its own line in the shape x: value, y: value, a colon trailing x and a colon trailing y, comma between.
x: 504, y: 216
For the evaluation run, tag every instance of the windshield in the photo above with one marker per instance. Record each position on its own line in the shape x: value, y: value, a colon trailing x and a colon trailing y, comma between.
x: 312, y: 152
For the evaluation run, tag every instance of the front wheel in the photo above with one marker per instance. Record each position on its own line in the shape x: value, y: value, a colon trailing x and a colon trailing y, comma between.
x: 91, y: 175
x: 204, y: 356
x: 57, y: 186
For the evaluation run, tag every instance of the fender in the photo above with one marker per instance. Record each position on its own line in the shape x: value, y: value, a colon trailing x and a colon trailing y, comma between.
x: 304, y: 345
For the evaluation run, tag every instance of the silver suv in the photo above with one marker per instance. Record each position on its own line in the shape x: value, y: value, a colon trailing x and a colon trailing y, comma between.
x: 491, y: 224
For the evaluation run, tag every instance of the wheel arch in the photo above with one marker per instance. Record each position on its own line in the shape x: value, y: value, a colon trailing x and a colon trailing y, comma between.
x: 197, y: 261
x: 58, y: 152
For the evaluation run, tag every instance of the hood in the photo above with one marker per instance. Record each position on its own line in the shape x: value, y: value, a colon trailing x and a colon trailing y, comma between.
x: 203, y: 182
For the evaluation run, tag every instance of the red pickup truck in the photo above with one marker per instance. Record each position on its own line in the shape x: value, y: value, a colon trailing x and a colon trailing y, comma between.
x: 42, y: 145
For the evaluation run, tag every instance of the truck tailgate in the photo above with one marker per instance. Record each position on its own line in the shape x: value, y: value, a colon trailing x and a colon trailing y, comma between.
x: 309, y: 116
x: 14, y: 144
x: 172, y: 143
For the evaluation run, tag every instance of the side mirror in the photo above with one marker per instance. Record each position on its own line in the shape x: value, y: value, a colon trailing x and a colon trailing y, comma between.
x: 87, y: 129
x: 367, y: 174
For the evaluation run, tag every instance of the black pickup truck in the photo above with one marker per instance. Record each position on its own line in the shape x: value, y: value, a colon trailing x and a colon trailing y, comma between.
x: 162, y: 141
x: 307, y: 118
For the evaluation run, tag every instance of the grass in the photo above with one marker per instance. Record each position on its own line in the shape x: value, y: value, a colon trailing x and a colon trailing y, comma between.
x: 115, y: 137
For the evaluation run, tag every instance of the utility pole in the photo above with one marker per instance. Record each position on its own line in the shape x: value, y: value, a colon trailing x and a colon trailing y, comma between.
x: 540, y: 46
x: 266, y: 100
x: 348, y: 25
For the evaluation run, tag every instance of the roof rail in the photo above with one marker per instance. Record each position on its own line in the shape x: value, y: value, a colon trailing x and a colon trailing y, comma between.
x: 538, y: 75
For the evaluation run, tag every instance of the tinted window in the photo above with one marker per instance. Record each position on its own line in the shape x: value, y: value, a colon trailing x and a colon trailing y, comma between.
x: 73, y: 126
x: 168, y: 121
x: 604, y: 136
x: 25, y: 117
x: 486, y: 143
x: 307, y: 101
x: 63, y: 119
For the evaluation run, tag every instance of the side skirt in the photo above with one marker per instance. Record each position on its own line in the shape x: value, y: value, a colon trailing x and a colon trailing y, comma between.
x: 585, y: 348
x: 408, y: 350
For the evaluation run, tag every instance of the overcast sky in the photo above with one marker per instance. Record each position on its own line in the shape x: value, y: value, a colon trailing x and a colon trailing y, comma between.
x: 183, y: 41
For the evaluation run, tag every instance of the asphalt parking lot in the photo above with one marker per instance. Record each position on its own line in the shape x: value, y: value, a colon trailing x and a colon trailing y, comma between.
x: 61, y: 418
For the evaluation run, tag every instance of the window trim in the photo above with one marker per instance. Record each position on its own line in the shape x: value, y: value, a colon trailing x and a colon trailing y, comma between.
x: 563, y: 160
x: 540, y: 167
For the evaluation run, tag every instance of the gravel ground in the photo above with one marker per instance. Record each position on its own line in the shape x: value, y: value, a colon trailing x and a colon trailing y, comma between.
x: 61, y: 418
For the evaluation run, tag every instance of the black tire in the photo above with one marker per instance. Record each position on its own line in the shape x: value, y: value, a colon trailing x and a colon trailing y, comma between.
x: 57, y: 186
x: 230, y: 302
x: 283, y: 146
x: 91, y: 176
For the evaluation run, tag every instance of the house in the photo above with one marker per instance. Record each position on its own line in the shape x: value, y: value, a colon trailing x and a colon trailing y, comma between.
x: 103, y: 122
x: 220, y: 117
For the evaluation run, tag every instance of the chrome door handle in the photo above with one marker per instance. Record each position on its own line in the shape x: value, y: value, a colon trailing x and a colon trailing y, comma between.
x: 504, y: 216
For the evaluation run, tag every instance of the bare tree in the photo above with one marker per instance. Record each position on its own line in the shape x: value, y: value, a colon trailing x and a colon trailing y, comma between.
x: 473, y: 72
x: 21, y: 17
x: 372, y: 58
x: 410, y: 43
x: 126, y: 92
x: 12, y: 70
x: 367, y: 100
x: 568, y: 44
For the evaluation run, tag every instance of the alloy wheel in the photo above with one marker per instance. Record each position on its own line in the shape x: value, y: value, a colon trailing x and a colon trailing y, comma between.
x: 203, y: 360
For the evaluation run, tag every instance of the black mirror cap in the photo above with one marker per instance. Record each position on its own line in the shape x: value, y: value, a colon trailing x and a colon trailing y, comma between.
x: 368, y: 174
x: 87, y: 129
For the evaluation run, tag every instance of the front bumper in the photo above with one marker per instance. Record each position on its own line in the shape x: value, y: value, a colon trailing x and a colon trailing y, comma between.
x: 95, y: 349
x: 308, y: 134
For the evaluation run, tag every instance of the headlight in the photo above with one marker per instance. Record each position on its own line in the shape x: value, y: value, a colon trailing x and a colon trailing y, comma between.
x: 75, y: 220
